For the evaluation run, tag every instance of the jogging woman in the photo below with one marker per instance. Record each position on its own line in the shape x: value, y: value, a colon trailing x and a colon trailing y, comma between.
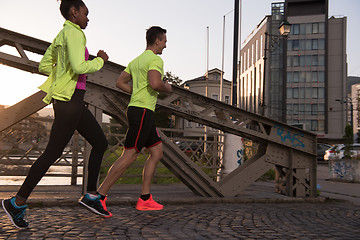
x: 66, y: 63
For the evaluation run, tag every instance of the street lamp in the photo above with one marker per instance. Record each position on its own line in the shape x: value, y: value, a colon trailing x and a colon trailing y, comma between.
x: 348, y: 100
x: 285, y: 28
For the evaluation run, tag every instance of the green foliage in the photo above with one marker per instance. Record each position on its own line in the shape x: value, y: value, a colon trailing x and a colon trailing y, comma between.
x: 172, y: 79
x: 133, y: 175
x: 268, y: 176
x: 348, y: 140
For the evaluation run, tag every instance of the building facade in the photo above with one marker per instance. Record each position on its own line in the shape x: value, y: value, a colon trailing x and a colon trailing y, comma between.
x: 198, y: 85
x: 297, y: 79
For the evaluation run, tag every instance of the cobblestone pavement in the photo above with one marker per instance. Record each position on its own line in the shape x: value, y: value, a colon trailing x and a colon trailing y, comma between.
x: 331, y: 220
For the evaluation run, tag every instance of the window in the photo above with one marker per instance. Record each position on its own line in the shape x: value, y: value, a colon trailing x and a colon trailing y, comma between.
x: 314, y: 44
x: 288, y: 109
x: 296, y: 61
x: 289, y: 61
x: 314, y: 109
x: 261, y: 46
x: 314, y: 92
x: 295, y: 92
x: 308, y: 44
x: 321, y: 76
x: 301, y: 109
x: 296, y: 77
x: 308, y: 93
x: 187, y: 123
x: 215, y: 97
x: 295, y: 44
x: 314, y: 125
x: 252, y: 54
x: 315, y: 28
x: 321, y: 125
x: 321, y: 60
x: 257, y: 50
x: 289, y: 77
x: 322, y: 27
x: 289, y: 94
x: 302, y: 93
x: 321, y: 44
x: 302, y: 77
x: 315, y: 76
x: 307, y: 110
x: 308, y: 77
x: 296, y: 29
x: 314, y: 61
x: 227, y: 99
x: 321, y: 93
x: 296, y: 109
x: 308, y: 124
x: 302, y: 29
x: 289, y: 45
x: 302, y: 61
x: 321, y: 108
x: 308, y: 28
x: 302, y: 44
x: 244, y: 61
x: 308, y: 61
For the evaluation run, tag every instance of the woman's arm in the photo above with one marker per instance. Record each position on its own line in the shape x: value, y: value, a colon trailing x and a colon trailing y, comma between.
x: 75, y: 41
x: 46, y: 62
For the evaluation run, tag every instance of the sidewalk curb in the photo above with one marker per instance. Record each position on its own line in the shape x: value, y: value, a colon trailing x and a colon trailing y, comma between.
x: 131, y: 201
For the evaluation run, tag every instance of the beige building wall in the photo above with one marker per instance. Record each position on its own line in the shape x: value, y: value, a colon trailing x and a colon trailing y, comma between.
x: 251, y: 88
x: 198, y: 85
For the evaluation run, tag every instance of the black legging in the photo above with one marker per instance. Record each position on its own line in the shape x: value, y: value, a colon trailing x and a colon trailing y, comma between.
x: 69, y: 116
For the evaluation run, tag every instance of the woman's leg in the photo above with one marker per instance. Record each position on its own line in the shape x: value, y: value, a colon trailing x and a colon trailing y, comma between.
x: 90, y: 129
x: 66, y: 118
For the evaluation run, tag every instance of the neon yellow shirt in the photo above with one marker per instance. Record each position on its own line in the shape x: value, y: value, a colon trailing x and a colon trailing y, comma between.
x: 63, y: 61
x: 142, y: 94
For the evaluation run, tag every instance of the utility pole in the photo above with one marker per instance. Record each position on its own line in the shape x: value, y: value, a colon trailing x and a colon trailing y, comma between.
x: 235, y: 54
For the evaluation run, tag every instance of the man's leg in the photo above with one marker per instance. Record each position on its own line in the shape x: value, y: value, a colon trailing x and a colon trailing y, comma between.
x: 117, y: 169
x: 156, y: 153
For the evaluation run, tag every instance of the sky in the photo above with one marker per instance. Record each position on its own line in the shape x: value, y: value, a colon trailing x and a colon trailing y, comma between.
x: 119, y: 26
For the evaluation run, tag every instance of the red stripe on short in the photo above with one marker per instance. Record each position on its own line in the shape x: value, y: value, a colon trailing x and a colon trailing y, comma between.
x: 141, y: 123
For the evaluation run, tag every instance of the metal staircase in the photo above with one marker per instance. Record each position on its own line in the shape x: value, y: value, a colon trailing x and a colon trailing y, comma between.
x: 291, y: 150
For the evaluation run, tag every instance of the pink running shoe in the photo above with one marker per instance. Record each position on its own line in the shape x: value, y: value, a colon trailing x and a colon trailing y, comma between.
x: 148, y: 205
x: 104, y: 206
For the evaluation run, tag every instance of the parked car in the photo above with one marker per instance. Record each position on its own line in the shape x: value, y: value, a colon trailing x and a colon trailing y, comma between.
x: 320, y: 151
x: 190, y: 146
x: 337, y: 152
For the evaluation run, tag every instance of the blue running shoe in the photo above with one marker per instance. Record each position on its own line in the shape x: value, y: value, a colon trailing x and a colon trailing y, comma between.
x: 15, y: 213
x: 94, y: 205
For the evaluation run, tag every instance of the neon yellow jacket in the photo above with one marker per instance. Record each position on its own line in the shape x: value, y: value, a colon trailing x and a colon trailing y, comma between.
x: 63, y: 61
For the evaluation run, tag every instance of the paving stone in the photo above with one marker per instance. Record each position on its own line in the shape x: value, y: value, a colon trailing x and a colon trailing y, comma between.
x: 194, y: 221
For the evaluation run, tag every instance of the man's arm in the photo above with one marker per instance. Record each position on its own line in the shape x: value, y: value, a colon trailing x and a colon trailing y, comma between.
x: 156, y: 83
x: 123, y: 82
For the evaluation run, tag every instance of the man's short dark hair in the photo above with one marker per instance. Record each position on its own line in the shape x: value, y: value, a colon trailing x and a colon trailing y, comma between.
x: 154, y: 33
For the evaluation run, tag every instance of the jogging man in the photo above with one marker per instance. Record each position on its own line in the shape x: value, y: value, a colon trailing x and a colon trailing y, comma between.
x: 146, y: 72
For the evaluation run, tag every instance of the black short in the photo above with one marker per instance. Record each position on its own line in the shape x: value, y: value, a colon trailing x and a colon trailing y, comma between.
x: 142, y: 131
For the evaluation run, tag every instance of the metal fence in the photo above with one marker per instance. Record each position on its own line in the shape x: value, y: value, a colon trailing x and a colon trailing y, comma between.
x: 23, y: 143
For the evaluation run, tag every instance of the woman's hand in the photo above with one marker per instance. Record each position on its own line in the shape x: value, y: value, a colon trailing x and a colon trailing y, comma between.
x: 103, y: 55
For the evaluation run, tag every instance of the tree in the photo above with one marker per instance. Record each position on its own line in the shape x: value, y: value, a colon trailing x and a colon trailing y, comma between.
x: 348, y: 140
x: 172, y: 79
x: 164, y: 119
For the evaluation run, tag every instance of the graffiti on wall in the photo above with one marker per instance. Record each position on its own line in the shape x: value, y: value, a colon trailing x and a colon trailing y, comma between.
x: 287, y: 135
x: 342, y: 169
x: 240, y: 156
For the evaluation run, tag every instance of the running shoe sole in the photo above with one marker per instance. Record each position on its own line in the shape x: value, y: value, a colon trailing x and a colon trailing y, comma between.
x: 9, y: 215
x: 93, y: 209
